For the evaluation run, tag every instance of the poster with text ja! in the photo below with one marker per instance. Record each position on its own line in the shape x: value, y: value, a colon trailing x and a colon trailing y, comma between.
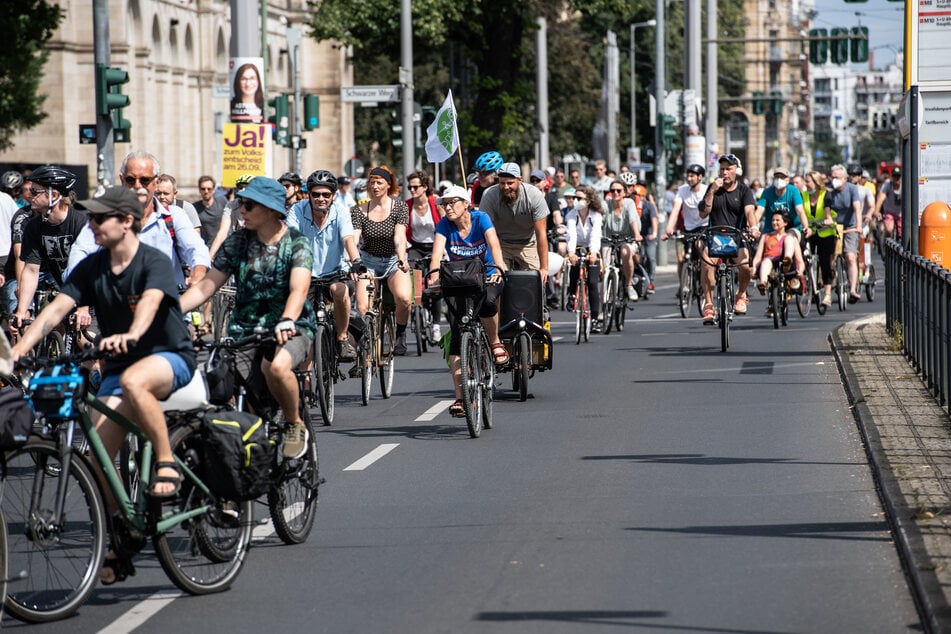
x: 245, y: 149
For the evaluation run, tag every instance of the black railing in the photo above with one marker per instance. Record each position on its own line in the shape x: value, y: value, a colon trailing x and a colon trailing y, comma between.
x: 917, y: 298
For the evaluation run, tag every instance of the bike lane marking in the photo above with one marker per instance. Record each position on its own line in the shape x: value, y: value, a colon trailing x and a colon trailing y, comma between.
x: 372, y: 457
x: 433, y: 412
x: 141, y: 612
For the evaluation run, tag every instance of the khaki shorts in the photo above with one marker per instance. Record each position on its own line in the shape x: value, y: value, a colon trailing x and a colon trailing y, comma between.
x: 521, y: 256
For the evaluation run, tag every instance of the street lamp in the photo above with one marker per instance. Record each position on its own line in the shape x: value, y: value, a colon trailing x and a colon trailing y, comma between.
x: 634, y: 28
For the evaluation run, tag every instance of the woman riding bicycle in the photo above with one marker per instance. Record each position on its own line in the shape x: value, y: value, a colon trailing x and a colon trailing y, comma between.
x: 777, y: 248
x: 271, y: 264
x: 822, y: 220
x: 621, y: 221
x: 465, y: 234
x: 421, y: 231
x: 584, y: 230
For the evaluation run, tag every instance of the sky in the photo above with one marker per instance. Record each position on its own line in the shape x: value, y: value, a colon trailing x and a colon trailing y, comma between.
x: 884, y: 19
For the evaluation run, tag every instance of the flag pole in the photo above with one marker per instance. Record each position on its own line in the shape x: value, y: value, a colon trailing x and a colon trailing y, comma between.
x: 462, y: 165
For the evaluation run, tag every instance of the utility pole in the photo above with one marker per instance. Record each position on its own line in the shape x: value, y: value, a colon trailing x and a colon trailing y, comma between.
x: 293, y: 43
x: 660, y: 90
x: 542, y: 88
x: 105, y: 139
x: 713, y: 88
x: 406, y: 82
x: 611, y: 61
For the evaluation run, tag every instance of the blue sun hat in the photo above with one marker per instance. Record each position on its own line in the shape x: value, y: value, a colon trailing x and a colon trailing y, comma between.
x: 267, y: 192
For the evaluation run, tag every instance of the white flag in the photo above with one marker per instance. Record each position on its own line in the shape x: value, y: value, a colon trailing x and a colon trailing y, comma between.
x: 442, y: 135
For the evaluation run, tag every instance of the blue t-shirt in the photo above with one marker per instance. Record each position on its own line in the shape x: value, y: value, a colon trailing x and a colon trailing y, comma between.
x: 774, y: 203
x: 841, y: 200
x: 473, y: 245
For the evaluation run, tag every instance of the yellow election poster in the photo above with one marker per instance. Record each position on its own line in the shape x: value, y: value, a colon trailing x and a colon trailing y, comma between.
x: 245, y: 149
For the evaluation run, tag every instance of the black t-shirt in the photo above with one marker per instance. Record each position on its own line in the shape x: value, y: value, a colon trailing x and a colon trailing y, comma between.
x: 48, y: 245
x: 114, y: 298
x: 210, y: 217
x: 17, y: 224
x: 728, y: 208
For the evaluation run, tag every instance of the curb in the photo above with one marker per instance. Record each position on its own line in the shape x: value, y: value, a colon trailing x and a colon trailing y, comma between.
x: 918, y: 566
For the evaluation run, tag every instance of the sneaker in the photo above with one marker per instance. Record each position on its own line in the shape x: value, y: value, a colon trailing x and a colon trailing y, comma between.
x: 769, y: 311
x: 399, y: 348
x: 650, y: 288
x: 827, y: 299
x: 631, y: 293
x: 435, y: 333
x: 295, y: 440
x: 345, y: 350
x: 740, y: 306
x: 596, y: 326
x: 709, y: 315
x: 761, y: 287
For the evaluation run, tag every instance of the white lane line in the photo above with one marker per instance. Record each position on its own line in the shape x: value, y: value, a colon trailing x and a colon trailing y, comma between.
x: 372, y: 457
x: 433, y: 411
x: 141, y: 612
x: 559, y: 338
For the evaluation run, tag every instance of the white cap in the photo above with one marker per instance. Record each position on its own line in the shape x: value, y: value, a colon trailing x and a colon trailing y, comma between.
x: 454, y: 192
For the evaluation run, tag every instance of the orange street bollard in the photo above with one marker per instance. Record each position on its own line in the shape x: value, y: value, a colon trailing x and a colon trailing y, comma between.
x: 934, y: 233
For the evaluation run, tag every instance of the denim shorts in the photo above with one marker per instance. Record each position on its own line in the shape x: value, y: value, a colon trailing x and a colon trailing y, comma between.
x: 182, y: 375
x: 380, y: 267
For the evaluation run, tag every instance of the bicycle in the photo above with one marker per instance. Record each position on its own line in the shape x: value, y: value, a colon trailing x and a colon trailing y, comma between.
x: 614, y: 302
x: 724, y: 276
x: 200, y: 541
x: 812, y: 292
x: 326, y: 371
x: 375, y: 348
x: 691, y: 290
x: 292, y: 496
x: 524, y: 329
x: 779, y: 293
x: 580, y: 306
x: 421, y: 313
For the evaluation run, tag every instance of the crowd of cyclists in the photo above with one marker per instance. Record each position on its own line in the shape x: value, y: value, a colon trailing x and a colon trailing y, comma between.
x: 139, y: 266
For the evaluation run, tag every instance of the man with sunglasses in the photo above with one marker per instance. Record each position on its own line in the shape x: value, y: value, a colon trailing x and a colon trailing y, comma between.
x: 167, y: 229
x: 210, y: 208
x: 330, y: 232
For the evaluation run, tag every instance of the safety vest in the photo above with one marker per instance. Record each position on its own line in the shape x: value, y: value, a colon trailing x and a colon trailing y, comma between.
x: 816, y: 212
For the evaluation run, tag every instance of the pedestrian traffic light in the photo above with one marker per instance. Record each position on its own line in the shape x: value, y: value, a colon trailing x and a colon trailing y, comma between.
x: 669, y: 134
x: 759, y: 105
x: 311, y: 112
x: 279, y: 120
x: 776, y: 102
x: 397, y: 129
x: 818, y: 46
x: 108, y: 94
x: 840, y: 45
x: 858, y: 45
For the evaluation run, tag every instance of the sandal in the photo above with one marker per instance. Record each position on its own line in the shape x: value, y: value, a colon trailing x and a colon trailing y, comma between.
x: 500, y: 354
x: 121, y: 569
x: 457, y: 409
x: 176, y: 480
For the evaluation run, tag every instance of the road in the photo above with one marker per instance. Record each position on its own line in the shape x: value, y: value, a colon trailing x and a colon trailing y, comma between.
x: 651, y: 482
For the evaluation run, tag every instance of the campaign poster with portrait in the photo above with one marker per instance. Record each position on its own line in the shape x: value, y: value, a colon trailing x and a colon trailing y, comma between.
x: 246, y: 78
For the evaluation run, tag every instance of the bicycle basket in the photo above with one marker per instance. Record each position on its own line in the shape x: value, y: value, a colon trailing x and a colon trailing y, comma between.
x: 56, y: 392
x: 462, y: 277
x: 722, y: 245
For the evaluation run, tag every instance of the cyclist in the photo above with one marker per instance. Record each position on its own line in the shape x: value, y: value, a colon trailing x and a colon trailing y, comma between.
x: 888, y: 205
x: 845, y: 199
x: 822, y: 219
x: 11, y: 183
x: 728, y: 203
x: 779, y: 247
x: 425, y: 214
x: 292, y: 185
x: 330, y: 232
x: 487, y: 168
x: 272, y: 265
x: 779, y: 197
x: 380, y: 228
x: 464, y: 234
x: 231, y: 217
x: 620, y: 221
x: 650, y: 222
x: 584, y: 230
x: 685, y: 215
x: 866, y: 192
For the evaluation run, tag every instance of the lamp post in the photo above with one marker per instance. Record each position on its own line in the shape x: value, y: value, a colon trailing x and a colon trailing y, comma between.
x: 634, y: 28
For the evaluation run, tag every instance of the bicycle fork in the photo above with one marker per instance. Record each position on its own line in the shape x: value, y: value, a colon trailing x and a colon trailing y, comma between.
x: 46, y: 523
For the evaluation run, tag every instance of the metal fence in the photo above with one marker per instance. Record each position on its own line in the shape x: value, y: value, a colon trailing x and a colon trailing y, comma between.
x: 917, y: 298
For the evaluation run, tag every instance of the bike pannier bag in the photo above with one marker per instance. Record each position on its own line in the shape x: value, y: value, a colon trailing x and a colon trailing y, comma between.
x: 462, y: 277
x: 523, y: 295
x: 722, y: 246
x: 16, y: 418
x: 219, y: 374
x: 238, y: 457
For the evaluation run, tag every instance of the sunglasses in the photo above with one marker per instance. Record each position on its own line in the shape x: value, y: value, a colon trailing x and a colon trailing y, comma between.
x: 145, y: 180
x: 248, y: 205
x: 617, y: 191
x: 321, y: 195
x: 37, y: 192
x: 415, y: 187
x: 102, y: 217
x: 533, y: 181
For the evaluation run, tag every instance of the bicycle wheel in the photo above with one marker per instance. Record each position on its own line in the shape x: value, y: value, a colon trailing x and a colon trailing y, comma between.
x: 610, y: 296
x: 53, y: 345
x: 579, y: 318
x: 523, y: 364
x: 387, y: 358
x: 806, y: 294
x: 488, y: 383
x: 870, y: 283
x: 471, y: 381
x: 774, y: 303
x: 641, y: 280
x: 59, y: 556
x: 723, y: 297
x: 698, y: 289
x: 292, y: 502
x: 783, y: 306
x: 3, y: 557
x: 686, y: 289
x: 563, y: 293
x: 620, y: 316
x: 841, y: 283
x: 323, y: 375
x: 817, y: 288
x: 585, y: 309
x: 365, y: 359
x: 416, y: 323
x: 204, y: 553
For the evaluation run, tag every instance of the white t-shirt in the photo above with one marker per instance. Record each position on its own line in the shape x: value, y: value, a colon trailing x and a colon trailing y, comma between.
x: 8, y: 207
x: 424, y: 229
x: 689, y: 209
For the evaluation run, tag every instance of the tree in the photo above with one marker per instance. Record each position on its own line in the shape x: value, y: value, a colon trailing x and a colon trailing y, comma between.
x: 28, y: 26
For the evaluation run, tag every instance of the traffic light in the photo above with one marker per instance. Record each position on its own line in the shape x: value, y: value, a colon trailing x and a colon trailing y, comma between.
x: 669, y: 133
x: 108, y: 94
x: 279, y: 120
x: 840, y: 45
x: 429, y: 115
x: 311, y: 112
x: 759, y: 106
x: 858, y: 45
x: 818, y: 46
x: 776, y: 102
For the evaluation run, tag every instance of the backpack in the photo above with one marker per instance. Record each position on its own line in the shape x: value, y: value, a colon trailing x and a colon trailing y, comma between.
x: 16, y: 418
x: 238, y: 457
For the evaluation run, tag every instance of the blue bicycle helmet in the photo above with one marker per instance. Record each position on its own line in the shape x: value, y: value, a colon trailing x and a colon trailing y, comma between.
x: 489, y: 162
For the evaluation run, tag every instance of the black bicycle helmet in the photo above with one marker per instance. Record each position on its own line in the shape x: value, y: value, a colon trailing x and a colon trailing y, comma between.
x: 854, y: 169
x: 60, y: 179
x: 322, y: 178
x: 290, y: 177
x: 11, y: 180
x: 696, y: 169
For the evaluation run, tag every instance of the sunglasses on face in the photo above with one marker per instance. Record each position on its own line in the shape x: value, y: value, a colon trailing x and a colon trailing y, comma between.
x: 145, y: 180
x: 321, y: 195
x: 415, y: 187
x: 248, y: 205
x: 617, y: 191
x: 534, y: 181
x: 37, y: 192
x: 102, y: 217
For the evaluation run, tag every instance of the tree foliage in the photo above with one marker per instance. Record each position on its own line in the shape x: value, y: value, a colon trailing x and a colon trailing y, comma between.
x: 485, y: 52
x: 28, y: 25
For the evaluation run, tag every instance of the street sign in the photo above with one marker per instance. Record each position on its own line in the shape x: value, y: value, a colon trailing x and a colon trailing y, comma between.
x: 369, y: 93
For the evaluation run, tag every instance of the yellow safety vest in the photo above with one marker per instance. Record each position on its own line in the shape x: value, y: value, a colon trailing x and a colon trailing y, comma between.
x: 816, y: 212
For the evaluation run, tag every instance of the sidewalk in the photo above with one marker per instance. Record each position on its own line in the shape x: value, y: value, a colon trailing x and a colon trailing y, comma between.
x: 908, y: 438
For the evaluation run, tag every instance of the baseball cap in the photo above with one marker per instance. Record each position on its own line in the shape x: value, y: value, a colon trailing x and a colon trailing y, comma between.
x: 453, y: 192
x: 570, y: 192
x: 539, y: 174
x: 115, y: 199
x: 732, y: 159
x: 510, y: 169
x: 265, y: 191
x: 781, y: 171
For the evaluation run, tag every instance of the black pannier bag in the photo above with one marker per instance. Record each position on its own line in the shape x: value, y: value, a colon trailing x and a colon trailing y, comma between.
x: 462, y: 277
x: 16, y: 418
x: 238, y: 457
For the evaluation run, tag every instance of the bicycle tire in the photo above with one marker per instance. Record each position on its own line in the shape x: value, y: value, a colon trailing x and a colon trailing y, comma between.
x: 723, y: 297
x: 4, y: 572
x: 698, y: 289
x: 842, y: 283
x: 585, y: 309
x: 205, y: 553
x: 365, y: 360
x: 774, y: 303
x: 610, y: 290
x: 870, y: 283
x: 565, y: 275
x: 621, y: 316
x: 323, y: 375
x: 806, y: 294
x: 416, y: 322
x: 61, y: 566
x: 524, y: 364
x: 686, y: 289
x: 579, y: 320
x: 387, y: 358
x: 488, y: 384
x: 470, y: 380
x: 783, y: 305
x: 292, y: 502
x: 53, y: 345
